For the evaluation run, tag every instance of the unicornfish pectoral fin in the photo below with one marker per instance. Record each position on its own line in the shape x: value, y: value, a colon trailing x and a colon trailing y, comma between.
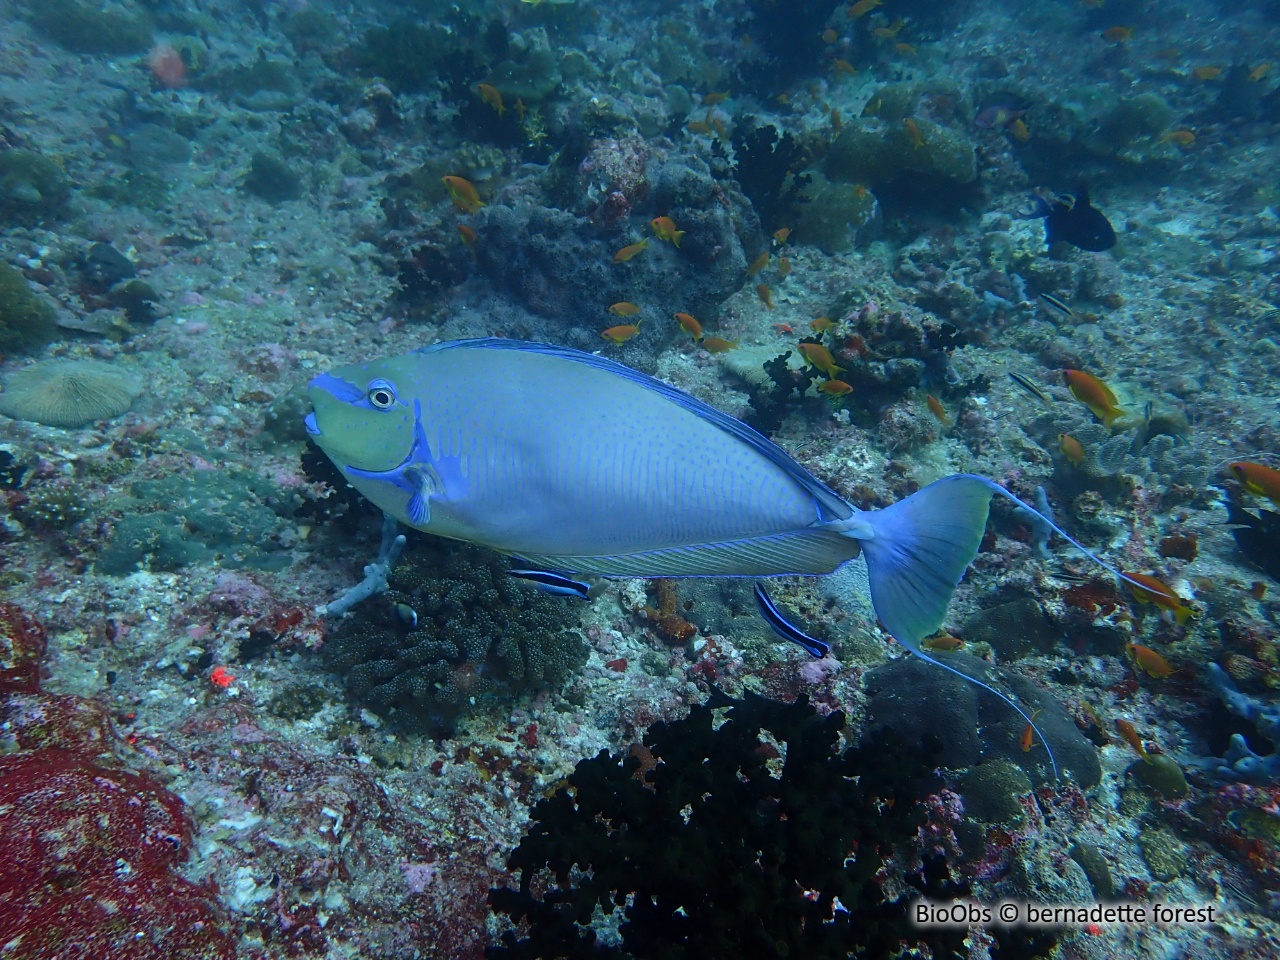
x: 425, y: 483
x: 785, y: 628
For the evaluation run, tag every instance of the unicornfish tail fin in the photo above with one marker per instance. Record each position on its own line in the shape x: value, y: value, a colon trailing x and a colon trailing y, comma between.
x: 919, y: 550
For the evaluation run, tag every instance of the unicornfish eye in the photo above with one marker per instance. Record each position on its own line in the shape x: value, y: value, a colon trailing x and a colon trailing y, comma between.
x: 381, y: 395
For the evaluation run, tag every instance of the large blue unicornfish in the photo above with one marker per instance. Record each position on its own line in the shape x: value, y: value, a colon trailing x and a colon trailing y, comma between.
x: 581, y: 466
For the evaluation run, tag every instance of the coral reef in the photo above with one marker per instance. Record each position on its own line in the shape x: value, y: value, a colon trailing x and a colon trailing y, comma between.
x: 26, y: 321
x: 69, y: 393
x: 713, y: 839
x: 453, y: 634
x: 91, y: 848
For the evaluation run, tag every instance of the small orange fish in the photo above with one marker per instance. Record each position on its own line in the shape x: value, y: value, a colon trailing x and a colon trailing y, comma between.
x: 1071, y: 448
x: 942, y: 643
x: 463, y: 194
x: 1117, y: 34
x: 698, y: 126
x: 712, y: 99
x: 780, y: 235
x: 1258, y: 479
x: 913, y: 131
x: 835, y: 388
x: 1207, y: 73
x: 689, y: 325
x: 784, y: 267
x: 820, y: 357
x: 1260, y: 72
x: 1131, y: 735
x: 758, y: 264
x: 829, y: 36
x: 630, y: 250
x: 1182, y: 137
x: 1258, y: 590
x: 1019, y: 130
x: 1150, y: 590
x: 936, y: 408
x: 664, y: 228
x: 717, y: 344
x: 906, y: 49
x: 1095, y: 395
x: 844, y: 66
x: 1150, y: 662
x: 1028, y: 739
x: 468, y: 236
x: 1169, y: 54
x: 520, y: 108
x: 860, y: 191
x: 889, y: 31
x: 621, y: 333
x: 490, y: 95
x: 821, y: 325
x: 765, y: 295
x: 862, y: 8
x: 624, y: 308
x: 836, y: 122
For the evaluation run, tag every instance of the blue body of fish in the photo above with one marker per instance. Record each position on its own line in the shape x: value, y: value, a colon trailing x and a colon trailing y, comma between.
x: 578, y: 464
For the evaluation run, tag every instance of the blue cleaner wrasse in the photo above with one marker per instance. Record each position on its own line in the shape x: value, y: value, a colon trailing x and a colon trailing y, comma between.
x: 577, y: 464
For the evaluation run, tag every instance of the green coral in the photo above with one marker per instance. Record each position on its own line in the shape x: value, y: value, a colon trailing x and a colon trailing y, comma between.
x: 881, y: 151
x: 837, y: 216
x: 454, y: 633
x: 26, y: 321
x: 1162, y: 774
x: 56, y: 507
x: 31, y: 186
x: 229, y: 516
x: 90, y: 27
x: 993, y: 792
x: 272, y: 179
x: 1165, y: 854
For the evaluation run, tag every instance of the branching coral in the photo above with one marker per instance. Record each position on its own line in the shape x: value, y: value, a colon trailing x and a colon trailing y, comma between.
x: 721, y: 841
x: 453, y: 632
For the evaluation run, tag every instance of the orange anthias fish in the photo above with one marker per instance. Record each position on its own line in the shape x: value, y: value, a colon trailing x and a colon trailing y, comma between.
x: 712, y: 99
x: 780, y: 235
x: 821, y: 325
x: 630, y: 250
x: 784, y: 267
x: 1071, y: 448
x: 718, y: 344
x: 936, y: 408
x: 1019, y: 130
x: 664, y: 228
x: 1160, y: 594
x: 835, y: 388
x: 758, y: 264
x: 862, y: 8
x: 913, y: 132
x: 490, y: 95
x: 468, y: 236
x: 1258, y: 479
x: 1095, y: 395
x: 1260, y: 72
x: 624, y: 308
x: 765, y: 295
x: 689, y: 325
x: 1131, y: 735
x: 621, y: 333
x: 1207, y: 73
x: 1028, y: 738
x: 463, y: 194
x: 1150, y: 662
x: 1117, y: 34
x: 1182, y: 137
x: 819, y: 356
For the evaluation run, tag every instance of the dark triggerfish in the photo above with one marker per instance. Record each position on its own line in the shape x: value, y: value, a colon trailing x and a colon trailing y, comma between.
x: 581, y: 466
x: 1075, y: 221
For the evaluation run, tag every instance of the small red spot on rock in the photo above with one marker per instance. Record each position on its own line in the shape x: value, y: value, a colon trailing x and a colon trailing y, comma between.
x: 619, y: 665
